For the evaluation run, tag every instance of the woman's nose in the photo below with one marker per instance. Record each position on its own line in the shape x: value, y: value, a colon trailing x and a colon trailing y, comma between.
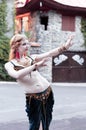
x: 28, y: 45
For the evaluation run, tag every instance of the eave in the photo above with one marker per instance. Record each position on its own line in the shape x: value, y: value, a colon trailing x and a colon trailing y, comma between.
x: 34, y: 5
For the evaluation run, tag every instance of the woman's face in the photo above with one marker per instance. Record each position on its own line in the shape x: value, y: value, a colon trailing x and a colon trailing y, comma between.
x: 24, y: 46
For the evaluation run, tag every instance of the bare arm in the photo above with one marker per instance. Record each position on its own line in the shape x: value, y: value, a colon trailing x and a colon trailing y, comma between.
x: 20, y: 73
x: 23, y: 72
x: 56, y: 51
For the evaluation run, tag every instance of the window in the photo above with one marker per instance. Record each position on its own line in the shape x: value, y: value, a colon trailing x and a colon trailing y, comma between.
x: 18, y: 25
x: 25, y: 23
x: 68, y: 23
x: 44, y: 21
x: 22, y: 23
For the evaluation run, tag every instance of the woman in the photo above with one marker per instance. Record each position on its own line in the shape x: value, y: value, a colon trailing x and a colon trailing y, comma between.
x: 39, y: 95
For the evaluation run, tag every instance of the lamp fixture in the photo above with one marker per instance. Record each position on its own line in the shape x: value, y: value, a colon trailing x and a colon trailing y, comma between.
x: 40, y: 4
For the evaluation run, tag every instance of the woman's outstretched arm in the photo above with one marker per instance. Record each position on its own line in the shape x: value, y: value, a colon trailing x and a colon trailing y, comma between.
x: 57, y: 50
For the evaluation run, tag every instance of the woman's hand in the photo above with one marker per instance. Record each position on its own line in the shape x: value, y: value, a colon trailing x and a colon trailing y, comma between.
x: 41, y: 63
x: 69, y: 42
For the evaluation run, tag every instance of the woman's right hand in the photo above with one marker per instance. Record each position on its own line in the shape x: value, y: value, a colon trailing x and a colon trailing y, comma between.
x: 41, y: 63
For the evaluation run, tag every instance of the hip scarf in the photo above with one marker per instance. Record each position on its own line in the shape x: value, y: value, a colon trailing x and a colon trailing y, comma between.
x: 42, y: 96
x: 39, y: 107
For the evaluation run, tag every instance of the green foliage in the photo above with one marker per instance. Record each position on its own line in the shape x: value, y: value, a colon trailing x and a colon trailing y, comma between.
x: 3, y: 74
x: 4, y: 52
x: 83, y: 29
x: 4, y: 42
x: 3, y: 17
x: 4, y: 48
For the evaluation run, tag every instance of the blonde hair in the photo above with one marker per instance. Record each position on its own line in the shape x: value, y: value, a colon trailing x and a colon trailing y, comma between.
x: 14, y: 44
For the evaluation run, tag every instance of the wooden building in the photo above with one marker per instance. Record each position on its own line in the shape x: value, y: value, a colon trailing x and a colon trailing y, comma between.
x: 50, y: 22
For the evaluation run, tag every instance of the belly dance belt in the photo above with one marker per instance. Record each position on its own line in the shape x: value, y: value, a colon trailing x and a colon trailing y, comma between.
x: 42, y: 96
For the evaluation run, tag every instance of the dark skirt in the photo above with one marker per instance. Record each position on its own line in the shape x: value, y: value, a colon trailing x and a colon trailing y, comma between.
x: 39, y: 111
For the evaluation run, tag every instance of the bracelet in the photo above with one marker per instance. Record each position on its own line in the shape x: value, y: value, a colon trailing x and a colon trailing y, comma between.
x: 61, y: 49
x: 36, y: 66
x: 64, y: 48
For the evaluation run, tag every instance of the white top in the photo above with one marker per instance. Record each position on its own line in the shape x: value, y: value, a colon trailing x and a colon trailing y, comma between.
x: 32, y: 82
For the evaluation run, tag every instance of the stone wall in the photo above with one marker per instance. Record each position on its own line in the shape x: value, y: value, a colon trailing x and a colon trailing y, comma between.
x: 54, y: 37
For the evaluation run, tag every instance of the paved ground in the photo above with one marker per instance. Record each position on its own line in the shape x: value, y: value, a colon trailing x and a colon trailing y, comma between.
x: 69, y: 109
x: 65, y: 124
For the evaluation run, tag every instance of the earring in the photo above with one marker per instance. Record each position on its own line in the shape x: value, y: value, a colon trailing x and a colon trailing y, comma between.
x: 17, y: 55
